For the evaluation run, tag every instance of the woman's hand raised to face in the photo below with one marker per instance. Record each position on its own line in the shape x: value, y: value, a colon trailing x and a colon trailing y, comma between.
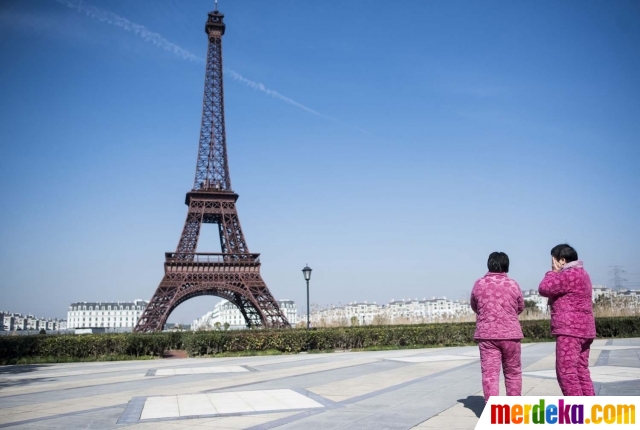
x: 556, y: 265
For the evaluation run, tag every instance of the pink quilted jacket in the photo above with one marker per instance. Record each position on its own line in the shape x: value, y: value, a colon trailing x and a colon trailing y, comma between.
x: 569, y: 293
x: 497, y: 299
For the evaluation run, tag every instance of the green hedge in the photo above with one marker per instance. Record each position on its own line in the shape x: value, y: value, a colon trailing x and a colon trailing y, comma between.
x: 86, y: 346
x: 94, y: 346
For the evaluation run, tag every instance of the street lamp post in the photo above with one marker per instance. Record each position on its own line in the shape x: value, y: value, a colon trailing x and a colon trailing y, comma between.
x: 307, y: 276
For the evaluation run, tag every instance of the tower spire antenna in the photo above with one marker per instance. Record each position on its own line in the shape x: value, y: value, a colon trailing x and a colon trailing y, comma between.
x: 216, y: 5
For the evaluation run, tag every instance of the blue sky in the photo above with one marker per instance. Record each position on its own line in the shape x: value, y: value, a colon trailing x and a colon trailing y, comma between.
x: 444, y: 131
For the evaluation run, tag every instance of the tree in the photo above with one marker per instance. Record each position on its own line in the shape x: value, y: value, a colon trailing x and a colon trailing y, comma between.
x: 531, y: 307
x: 226, y: 326
x: 42, y: 331
x: 355, y: 321
x: 217, y: 325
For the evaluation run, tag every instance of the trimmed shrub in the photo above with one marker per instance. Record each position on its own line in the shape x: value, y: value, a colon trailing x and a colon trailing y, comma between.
x: 97, y: 346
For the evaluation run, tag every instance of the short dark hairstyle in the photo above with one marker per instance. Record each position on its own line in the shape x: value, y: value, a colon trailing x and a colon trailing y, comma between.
x: 564, y: 251
x: 498, y: 262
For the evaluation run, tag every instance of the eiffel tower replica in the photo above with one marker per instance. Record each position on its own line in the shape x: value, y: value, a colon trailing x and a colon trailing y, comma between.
x: 233, y: 274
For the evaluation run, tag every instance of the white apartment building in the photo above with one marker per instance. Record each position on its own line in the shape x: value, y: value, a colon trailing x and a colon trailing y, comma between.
x: 434, y: 307
x: 365, y: 312
x: 226, y: 312
x: 333, y: 315
x: 116, y: 315
x: 602, y: 291
x: 532, y: 295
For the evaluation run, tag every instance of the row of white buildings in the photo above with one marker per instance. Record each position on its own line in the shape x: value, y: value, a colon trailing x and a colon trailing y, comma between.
x: 227, y: 316
x: 438, y: 309
x: 116, y: 316
x: 626, y: 298
x: 12, y: 321
x: 364, y: 313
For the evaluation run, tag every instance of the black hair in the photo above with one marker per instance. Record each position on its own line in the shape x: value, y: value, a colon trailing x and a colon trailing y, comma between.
x: 498, y: 262
x: 564, y: 251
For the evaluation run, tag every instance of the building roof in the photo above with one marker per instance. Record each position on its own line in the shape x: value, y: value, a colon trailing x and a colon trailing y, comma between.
x: 134, y: 303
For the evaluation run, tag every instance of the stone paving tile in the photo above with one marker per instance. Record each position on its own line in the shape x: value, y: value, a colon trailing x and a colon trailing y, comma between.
x: 449, y: 422
x: 627, y: 388
x: 200, y: 370
x: 311, y: 379
x: 196, y: 404
x: 239, y: 402
x: 353, y: 387
x: 443, y: 357
x: 616, y: 347
x: 602, y: 374
x: 160, y: 407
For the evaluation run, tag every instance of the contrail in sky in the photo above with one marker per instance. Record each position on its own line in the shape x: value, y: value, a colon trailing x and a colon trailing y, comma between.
x: 143, y: 32
x: 140, y: 30
x: 257, y: 86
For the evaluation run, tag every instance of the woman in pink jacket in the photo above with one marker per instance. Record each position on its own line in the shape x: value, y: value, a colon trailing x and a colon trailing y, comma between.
x: 568, y: 287
x: 497, y: 300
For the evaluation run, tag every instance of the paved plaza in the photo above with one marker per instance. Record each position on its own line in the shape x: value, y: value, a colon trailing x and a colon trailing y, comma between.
x: 420, y: 388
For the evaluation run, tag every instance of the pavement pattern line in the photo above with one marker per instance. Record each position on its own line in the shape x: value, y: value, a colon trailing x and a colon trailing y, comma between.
x: 361, y: 385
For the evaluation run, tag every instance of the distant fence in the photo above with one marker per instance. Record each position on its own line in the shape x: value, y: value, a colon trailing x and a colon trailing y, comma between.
x: 67, y: 331
x: 32, y: 332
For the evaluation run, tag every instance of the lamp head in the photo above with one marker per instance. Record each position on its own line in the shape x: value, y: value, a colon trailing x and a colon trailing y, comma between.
x: 306, y: 272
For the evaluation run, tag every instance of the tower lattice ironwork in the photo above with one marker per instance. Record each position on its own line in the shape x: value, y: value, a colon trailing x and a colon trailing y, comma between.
x: 233, y: 274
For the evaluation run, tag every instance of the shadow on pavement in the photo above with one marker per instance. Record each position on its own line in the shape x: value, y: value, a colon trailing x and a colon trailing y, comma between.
x: 21, y: 368
x: 17, y: 370
x: 6, y: 383
x: 474, y: 403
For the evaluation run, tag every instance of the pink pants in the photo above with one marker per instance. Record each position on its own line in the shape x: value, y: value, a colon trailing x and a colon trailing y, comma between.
x: 493, y: 353
x: 572, y: 366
